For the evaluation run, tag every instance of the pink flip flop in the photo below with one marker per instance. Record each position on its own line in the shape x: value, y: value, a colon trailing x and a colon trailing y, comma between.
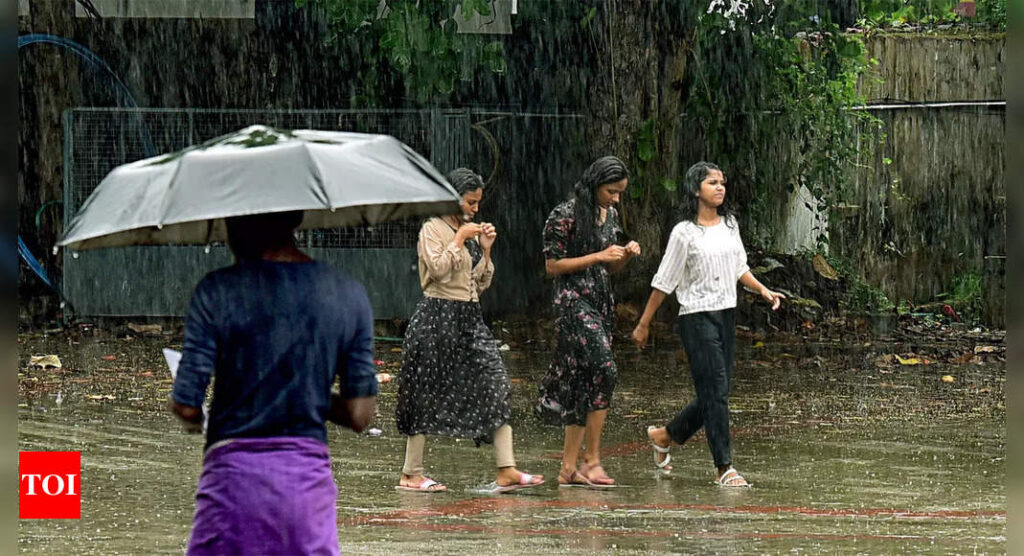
x: 601, y: 481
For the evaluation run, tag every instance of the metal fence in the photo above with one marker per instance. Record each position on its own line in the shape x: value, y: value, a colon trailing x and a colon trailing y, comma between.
x: 157, y: 280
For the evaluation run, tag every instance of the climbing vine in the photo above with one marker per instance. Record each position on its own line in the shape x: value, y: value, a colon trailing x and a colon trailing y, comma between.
x: 774, y: 98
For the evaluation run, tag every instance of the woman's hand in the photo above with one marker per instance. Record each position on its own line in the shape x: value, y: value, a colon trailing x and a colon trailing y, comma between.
x: 488, y: 233
x: 632, y: 249
x: 467, y: 230
x: 612, y: 254
x: 774, y: 298
x: 640, y: 334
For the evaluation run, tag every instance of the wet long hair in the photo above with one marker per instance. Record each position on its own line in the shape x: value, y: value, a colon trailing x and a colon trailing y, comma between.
x: 689, y: 193
x: 251, y: 236
x: 605, y: 170
x: 465, y: 180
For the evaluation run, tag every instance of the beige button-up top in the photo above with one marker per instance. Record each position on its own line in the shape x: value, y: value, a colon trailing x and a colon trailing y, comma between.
x: 447, y: 271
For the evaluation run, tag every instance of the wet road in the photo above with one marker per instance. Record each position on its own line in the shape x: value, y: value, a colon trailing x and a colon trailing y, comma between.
x: 845, y: 454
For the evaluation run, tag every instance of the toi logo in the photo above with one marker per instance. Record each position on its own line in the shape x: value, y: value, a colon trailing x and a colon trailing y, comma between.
x: 49, y: 485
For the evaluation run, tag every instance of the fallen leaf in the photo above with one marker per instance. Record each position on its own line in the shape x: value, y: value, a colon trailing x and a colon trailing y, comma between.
x: 963, y: 359
x: 986, y: 349
x: 109, y: 357
x: 948, y: 378
x: 45, y: 361
x: 824, y: 269
x: 908, y: 360
x: 758, y: 345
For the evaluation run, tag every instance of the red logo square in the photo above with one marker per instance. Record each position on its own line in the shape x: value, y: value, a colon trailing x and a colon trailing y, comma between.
x: 49, y: 485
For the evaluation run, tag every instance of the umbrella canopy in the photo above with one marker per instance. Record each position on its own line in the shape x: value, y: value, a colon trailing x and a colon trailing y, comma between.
x: 337, y: 178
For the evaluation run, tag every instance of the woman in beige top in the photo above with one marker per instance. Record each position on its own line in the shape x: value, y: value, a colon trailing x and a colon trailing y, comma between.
x: 453, y: 381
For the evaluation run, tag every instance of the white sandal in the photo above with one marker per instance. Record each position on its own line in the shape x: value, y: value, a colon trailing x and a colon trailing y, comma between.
x: 729, y: 478
x: 659, y: 450
x: 425, y: 486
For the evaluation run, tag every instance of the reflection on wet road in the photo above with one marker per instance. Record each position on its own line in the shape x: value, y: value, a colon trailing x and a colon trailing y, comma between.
x: 842, y: 457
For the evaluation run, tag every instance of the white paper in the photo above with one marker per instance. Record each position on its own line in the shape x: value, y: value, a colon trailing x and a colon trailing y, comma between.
x: 173, y: 358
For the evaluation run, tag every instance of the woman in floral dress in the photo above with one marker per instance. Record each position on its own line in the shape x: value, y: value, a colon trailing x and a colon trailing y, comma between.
x: 581, y: 249
x: 453, y: 381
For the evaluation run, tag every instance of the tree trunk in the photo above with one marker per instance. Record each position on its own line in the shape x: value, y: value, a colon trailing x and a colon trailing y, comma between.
x: 643, y: 56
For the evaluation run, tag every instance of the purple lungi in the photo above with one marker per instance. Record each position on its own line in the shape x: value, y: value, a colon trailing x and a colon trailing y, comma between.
x: 266, y: 496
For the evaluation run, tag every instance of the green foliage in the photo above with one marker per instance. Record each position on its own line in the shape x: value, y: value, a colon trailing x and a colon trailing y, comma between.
x: 588, y: 20
x: 865, y: 298
x: 646, y: 141
x: 860, y: 296
x: 412, y: 44
x: 967, y: 295
x: 644, y: 159
x: 785, y: 77
x: 895, y: 14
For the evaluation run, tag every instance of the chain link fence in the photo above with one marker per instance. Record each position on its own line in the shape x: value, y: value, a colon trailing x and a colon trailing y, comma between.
x: 157, y: 280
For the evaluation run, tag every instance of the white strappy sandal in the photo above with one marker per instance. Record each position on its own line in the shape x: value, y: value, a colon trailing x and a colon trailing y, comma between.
x: 730, y: 478
x: 662, y: 464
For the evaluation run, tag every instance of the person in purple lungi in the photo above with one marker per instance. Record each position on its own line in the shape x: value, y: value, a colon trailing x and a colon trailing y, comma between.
x: 278, y: 330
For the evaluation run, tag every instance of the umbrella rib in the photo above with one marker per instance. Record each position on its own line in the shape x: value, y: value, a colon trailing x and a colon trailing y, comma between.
x: 318, y: 175
x: 168, y: 192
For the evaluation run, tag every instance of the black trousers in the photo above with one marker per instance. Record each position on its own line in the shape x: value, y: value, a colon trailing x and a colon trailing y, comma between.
x: 710, y: 342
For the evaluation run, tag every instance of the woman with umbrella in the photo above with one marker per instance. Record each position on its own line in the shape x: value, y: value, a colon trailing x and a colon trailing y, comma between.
x: 453, y: 381
x: 580, y: 248
x: 277, y: 330
x: 702, y: 263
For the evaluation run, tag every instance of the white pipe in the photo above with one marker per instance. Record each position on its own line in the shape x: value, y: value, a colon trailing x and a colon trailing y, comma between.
x: 929, y: 105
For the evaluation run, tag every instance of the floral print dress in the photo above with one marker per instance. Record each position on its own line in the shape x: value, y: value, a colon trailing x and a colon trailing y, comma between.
x: 582, y: 375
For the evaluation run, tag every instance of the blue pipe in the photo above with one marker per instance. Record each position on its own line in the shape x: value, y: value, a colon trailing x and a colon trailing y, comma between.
x: 95, y: 61
x: 91, y: 57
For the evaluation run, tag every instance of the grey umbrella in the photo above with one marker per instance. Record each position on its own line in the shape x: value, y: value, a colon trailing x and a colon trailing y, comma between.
x: 337, y: 178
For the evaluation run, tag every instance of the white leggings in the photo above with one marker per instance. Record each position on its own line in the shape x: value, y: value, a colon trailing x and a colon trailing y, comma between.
x: 503, y: 455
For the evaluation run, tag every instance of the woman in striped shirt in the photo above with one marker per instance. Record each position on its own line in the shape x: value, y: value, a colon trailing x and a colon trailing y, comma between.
x: 702, y: 263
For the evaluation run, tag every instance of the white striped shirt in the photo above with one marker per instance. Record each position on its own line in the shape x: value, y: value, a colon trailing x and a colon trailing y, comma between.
x: 702, y: 265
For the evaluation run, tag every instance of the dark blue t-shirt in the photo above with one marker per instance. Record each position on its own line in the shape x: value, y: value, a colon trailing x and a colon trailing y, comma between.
x: 275, y: 335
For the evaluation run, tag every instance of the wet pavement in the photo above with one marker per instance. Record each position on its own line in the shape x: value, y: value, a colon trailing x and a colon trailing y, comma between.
x: 848, y: 450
